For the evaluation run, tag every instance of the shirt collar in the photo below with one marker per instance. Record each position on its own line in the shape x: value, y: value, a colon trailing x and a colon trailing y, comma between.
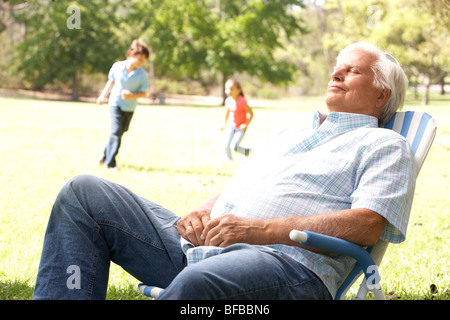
x: 343, y: 122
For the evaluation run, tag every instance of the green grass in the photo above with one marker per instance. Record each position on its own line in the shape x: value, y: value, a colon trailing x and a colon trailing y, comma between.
x: 173, y: 156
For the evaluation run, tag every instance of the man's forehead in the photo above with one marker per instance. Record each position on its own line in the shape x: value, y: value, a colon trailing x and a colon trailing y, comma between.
x: 355, y: 58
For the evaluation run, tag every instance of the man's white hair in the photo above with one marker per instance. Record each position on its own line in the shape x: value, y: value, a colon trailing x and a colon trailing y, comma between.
x: 388, y: 75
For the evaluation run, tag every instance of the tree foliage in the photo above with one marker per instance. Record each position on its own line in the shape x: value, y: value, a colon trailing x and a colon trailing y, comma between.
x: 53, y: 51
x: 410, y: 29
x: 278, y: 41
x: 186, y: 37
x: 422, y: 48
x: 223, y: 37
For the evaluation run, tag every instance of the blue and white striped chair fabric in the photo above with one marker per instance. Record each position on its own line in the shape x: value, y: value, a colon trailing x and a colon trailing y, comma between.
x: 419, y: 129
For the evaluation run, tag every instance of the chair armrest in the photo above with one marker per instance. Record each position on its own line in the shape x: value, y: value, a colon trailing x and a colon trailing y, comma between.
x: 149, y: 291
x: 343, y: 247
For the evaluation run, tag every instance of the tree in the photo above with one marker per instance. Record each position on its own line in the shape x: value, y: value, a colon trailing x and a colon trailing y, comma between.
x: 66, y: 39
x: 186, y: 37
x: 248, y: 35
x: 223, y: 37
x: 412, y: 30
x: 422, y: 48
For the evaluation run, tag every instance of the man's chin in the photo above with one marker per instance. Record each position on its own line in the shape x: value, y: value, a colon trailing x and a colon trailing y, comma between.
x: 332, y: 103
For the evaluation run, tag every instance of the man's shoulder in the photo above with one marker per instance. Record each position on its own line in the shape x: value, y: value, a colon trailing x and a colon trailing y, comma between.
x: 381, y: 134
x: 371, y: 139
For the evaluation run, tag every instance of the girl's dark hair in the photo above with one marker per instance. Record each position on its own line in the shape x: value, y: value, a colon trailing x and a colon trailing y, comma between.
x: 238, y: 85
x: 139, y: 47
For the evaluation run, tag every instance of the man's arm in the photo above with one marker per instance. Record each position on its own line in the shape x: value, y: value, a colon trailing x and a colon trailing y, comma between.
x: 360, y: 226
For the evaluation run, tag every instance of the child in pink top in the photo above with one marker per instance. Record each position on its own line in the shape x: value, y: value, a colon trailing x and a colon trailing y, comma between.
x: 237, y: 118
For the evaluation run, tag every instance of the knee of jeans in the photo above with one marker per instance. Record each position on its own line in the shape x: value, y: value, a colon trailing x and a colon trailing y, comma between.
x: 72, y: 194
x: 201, y: 282
x: 83, y: 181
x: 79, y: 185
x: 193, y: 283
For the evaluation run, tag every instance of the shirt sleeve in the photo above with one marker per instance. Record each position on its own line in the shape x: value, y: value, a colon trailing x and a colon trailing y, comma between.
x: 227, y: 103
x: 385, y: 184
x: 111, y: 74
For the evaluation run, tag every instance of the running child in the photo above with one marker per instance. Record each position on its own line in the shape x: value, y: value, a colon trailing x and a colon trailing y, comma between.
x: 127, y: 81
x: 237, y: 118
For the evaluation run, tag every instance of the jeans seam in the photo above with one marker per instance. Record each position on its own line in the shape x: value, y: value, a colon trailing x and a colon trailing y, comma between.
x: 94, y: 266
x: 90, y: 287
x: 131, y: 233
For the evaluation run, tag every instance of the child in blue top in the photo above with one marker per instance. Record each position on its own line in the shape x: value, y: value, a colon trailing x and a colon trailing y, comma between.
x: 127, y: 81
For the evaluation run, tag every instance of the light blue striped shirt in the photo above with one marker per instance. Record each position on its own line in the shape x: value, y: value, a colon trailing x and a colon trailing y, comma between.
x: 344, y: 162
x: 135, y: 81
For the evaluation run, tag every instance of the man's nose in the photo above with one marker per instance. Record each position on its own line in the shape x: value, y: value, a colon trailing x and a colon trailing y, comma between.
x: 338, y: 75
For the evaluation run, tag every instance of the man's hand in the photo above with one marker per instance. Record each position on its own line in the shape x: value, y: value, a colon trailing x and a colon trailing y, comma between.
x: 192, y: 224
x: 230, y: 229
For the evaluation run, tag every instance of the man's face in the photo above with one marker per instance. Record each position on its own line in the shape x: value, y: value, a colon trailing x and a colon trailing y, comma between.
x: 351, y: 87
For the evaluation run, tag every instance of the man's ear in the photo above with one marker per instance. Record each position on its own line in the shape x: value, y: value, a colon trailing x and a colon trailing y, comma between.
x: 383, y: 97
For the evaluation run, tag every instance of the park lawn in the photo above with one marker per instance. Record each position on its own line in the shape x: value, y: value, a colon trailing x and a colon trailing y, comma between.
x: 173, y: 155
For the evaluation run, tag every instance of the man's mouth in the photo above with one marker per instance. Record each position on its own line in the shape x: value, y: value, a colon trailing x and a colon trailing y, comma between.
x: 336, y: 87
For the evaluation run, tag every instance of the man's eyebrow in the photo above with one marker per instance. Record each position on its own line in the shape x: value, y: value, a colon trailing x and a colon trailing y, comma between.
x: 348, y: 66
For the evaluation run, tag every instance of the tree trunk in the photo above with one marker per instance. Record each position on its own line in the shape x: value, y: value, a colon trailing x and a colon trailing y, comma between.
x: 75, y: 87
x: 426, y: 97
x: 442, y: 83
x: 224, y: 80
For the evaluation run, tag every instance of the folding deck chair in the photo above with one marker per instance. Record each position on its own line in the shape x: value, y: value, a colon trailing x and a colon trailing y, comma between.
x: 419, y: 129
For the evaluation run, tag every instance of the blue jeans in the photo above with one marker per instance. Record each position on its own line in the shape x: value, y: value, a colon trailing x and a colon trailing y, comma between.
x: 233, y: 138
x: 94, y: 221
x: 120, y: 122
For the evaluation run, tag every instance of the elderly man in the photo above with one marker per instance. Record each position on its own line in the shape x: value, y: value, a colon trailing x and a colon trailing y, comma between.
x: 345, y: 177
